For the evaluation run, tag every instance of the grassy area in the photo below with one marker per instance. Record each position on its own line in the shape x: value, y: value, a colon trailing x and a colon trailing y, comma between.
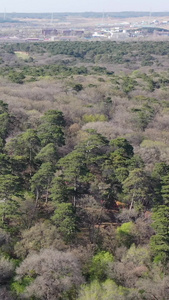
x: 22, y: 54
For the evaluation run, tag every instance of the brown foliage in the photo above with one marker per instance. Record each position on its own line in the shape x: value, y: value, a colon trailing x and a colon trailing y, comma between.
x: 42, y: 235
x: 54, y: 272
x: 6, y: 270
x: 5, y: 294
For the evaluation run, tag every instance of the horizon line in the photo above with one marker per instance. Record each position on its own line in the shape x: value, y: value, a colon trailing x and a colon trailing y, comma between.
x: 72, y: 12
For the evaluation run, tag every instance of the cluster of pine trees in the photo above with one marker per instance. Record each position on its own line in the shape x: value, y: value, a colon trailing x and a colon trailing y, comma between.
x: 82, y: 223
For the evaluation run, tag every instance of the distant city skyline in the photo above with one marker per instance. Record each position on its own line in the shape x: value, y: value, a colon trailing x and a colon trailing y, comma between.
x: 82, y: 6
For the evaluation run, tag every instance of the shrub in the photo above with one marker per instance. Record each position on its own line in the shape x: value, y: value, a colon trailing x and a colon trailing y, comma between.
x: 124, y: 234
x: 104, y: 291
x: 94, y: 118
x: 99, y: 265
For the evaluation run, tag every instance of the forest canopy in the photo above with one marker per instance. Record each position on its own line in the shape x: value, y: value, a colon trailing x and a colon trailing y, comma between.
x: 84, y: 171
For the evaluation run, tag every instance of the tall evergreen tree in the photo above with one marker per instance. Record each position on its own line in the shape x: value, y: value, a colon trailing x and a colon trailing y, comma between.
x: 160, y: 241
x: 51, y: 128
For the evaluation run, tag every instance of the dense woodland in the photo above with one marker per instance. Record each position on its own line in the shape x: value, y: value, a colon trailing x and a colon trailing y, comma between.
x: 84, y: 171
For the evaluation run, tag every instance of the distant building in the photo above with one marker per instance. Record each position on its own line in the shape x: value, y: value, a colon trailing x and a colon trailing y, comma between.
x: 99, y: 34
x: 49, y: 32
x: 78, y: 32
x: 32, y: 39
x: 67, y: 32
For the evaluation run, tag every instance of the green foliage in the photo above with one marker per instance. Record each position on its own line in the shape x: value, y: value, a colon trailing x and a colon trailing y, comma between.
x: 150, y: 144
x: 146, y: 62
x: 138, y: 189
x: 93, y: 148
x: 160, y: 170
x: 59, y: 190
x: 143, y: 116
x: 165, y: 189
x: 104, y: 291
x: 19, y: 286
x: 48, y: 154
x: 94, y: 118
x: 125, y: 228
x: 75, y: 173
x: 160, y: 241
x: 26, y: 144
x: 4, y: 122
x: 9, y: 215
x: 40, y: 182
x: 53, y: 117
x: 128, y: 84
x: 8, y: 185
x: 77, y: 168
x: 65, y: 220
x: 99, y: 265
x: 138, y: 255
x: 78, y: 87
x: 125, y: 235
x: 23, y: 149
x: 120, y: 157
x: 16, y: 77
x: 141, y: 98
x: 121, y: 173
x: 159, y: 175
x: 135, y: 162
x: 81, y: 178
x: 51, y: 128
x: 123, y: 145
x: 5, y: 164
x: 73, y: 165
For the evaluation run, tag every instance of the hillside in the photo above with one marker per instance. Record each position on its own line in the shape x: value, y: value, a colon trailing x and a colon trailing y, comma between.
x: 84, y: 176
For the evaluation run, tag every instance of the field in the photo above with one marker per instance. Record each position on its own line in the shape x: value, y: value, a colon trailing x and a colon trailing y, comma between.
x: 21, y: 54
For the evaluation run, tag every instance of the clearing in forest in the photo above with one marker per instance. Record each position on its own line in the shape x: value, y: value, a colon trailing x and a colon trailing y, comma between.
x: 22, y: 54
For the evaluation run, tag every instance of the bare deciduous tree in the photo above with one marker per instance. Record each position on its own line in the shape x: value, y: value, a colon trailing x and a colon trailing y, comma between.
x: 42, y: 235
x: 54, y: 272
x: 6, y: 270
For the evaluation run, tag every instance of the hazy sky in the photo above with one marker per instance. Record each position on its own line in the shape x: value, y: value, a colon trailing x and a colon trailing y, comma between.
x: 82, y: 5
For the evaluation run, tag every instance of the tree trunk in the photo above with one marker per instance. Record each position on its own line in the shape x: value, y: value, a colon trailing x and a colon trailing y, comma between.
x: 37, y: 197
x: 47, y: 194
x: 132, y: 202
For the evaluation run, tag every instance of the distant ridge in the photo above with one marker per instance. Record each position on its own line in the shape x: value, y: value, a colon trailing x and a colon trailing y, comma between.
x: 123, y: 14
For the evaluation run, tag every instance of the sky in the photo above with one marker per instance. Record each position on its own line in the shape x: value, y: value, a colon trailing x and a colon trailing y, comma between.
x: 82, y: 5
